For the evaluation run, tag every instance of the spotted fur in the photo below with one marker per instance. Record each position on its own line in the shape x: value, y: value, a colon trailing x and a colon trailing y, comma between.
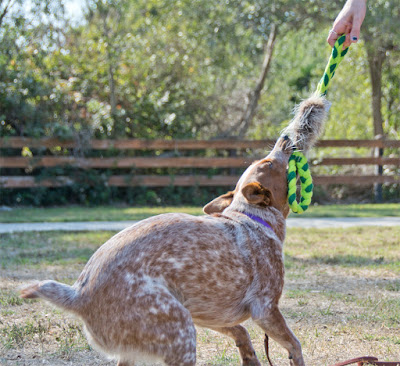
x: 142, y: 292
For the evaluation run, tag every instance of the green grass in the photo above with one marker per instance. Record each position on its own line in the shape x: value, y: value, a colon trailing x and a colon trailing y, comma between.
x: 32, y: 249
x: 353, y: 248
x: 115, y: 213
x: 342, y: 287
x: 98, y: 213
x: 358, y: 247
x: 9, y: 298
x: 354, y: 210
x: 71, y: 337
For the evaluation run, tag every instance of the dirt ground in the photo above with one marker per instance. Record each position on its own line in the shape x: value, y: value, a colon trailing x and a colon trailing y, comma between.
x: 338, y: 308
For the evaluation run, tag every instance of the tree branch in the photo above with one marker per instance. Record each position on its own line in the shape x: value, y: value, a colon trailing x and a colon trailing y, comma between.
x: 252, y: 101
x: 9, y: 5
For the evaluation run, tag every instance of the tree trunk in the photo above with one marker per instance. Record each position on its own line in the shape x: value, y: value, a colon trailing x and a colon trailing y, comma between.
x: 111, y: 81
x: 375, y: 62
x: 376, y: 57
x: 254, y: 96
x: 107, y: 33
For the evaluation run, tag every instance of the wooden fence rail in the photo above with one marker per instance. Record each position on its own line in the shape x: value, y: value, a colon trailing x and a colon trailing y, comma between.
x: 138, y: 144
x: 176, y: 162
x: 46, y: 157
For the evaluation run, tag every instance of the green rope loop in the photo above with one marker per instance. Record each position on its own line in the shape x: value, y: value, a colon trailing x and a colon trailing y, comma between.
x: 298, y: 164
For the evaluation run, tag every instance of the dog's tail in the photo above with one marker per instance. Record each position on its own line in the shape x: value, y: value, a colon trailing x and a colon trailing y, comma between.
x: 57, y: 293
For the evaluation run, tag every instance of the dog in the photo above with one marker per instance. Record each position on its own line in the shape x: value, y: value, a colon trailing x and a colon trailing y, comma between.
x: 142, y: 292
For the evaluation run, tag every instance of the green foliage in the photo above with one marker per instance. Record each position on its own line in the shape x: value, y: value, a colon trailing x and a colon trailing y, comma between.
x: 182, y: 69
x: 84, y: 194
x: 163, y: 69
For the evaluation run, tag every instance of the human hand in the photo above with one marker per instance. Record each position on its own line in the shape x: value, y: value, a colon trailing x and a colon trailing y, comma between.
x: 348, y: 22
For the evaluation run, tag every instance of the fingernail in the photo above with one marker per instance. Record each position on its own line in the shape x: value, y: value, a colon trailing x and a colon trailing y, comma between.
x: 354, y: 39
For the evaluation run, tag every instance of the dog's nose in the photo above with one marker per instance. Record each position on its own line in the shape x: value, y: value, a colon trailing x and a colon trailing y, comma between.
x: 285, y: 144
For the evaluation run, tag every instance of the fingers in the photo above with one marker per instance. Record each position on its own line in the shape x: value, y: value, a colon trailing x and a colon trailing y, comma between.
x: 347, y: 41
x: 339, y: 27
x: 353, y: 34
x: 335, y: 32
x: 332, y: 37
x: 355, y: 30
x: 348, y: 22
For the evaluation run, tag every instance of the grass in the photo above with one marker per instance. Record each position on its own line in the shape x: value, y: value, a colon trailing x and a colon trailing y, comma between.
x: 341, y: 298
x: 115, y: 213
x: 35, y: 249
x: 359, y: 247
x: 83, y: 213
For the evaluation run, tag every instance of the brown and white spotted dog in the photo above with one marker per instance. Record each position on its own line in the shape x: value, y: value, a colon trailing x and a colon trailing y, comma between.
x: 142, y: 293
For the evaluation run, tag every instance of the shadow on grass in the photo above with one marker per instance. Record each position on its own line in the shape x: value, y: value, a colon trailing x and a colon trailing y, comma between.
x: 46, y: 256
x: 32, y: 249
x: 347, y: 260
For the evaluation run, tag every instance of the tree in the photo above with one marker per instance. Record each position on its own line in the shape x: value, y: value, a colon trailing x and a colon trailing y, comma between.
x: 382, y: 39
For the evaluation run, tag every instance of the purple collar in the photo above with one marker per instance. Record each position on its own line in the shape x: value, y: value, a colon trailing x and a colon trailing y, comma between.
x: 259, y: 220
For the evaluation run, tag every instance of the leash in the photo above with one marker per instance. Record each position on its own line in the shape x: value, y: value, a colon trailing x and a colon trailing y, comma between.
x: 360, y: 361
x: 367, y: 360
x: 298, y: 165
x: 266, y: 347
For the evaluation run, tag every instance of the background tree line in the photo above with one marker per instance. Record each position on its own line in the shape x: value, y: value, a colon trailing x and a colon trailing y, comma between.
x: 190, y: 69
x: 187, y: 68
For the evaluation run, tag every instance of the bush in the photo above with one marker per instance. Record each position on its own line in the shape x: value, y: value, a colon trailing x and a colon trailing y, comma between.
x: 102, y: 194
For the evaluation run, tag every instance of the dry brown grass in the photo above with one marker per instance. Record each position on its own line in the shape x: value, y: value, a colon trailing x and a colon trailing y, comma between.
x: 342, y: 299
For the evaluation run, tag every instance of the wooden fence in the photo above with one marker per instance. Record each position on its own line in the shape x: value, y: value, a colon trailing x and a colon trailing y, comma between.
x: 190, y: 159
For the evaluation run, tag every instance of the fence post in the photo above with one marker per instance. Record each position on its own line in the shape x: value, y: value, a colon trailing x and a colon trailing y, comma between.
x: 378, y: 191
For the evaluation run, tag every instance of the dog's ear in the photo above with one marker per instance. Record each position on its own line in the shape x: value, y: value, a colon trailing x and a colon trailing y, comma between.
x: 256, y: 194
x: 219, y: 204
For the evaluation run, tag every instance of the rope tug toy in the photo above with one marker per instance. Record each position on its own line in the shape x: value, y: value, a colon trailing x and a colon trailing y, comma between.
x: 298, y: 164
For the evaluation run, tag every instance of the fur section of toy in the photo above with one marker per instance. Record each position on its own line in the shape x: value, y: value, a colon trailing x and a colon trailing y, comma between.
x: 308, y: 123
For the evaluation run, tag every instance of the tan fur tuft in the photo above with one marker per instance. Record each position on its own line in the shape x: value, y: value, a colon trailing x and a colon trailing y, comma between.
x: 308, y: 123
x: 30, y: 292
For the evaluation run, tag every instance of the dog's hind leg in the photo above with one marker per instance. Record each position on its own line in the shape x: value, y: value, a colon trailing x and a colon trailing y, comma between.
x: 178, y: 347
x: 270, y: 319
x: 167, y: 329
x: 152, y: 326
x: 243, y: 342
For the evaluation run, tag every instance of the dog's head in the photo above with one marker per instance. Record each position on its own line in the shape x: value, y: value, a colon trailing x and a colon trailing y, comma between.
x: 263, y: 184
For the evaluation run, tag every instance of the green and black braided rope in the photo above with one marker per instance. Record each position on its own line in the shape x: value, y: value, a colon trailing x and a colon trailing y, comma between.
x: 298, y: 164
x: 337, y: 56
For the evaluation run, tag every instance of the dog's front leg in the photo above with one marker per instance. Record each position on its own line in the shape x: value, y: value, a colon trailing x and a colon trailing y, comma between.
x: 270, y: 319
x: 243, y: 342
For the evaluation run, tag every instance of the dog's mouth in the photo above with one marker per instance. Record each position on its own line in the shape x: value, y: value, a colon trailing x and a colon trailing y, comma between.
x: 282, y: 150
x: 285, y: 144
